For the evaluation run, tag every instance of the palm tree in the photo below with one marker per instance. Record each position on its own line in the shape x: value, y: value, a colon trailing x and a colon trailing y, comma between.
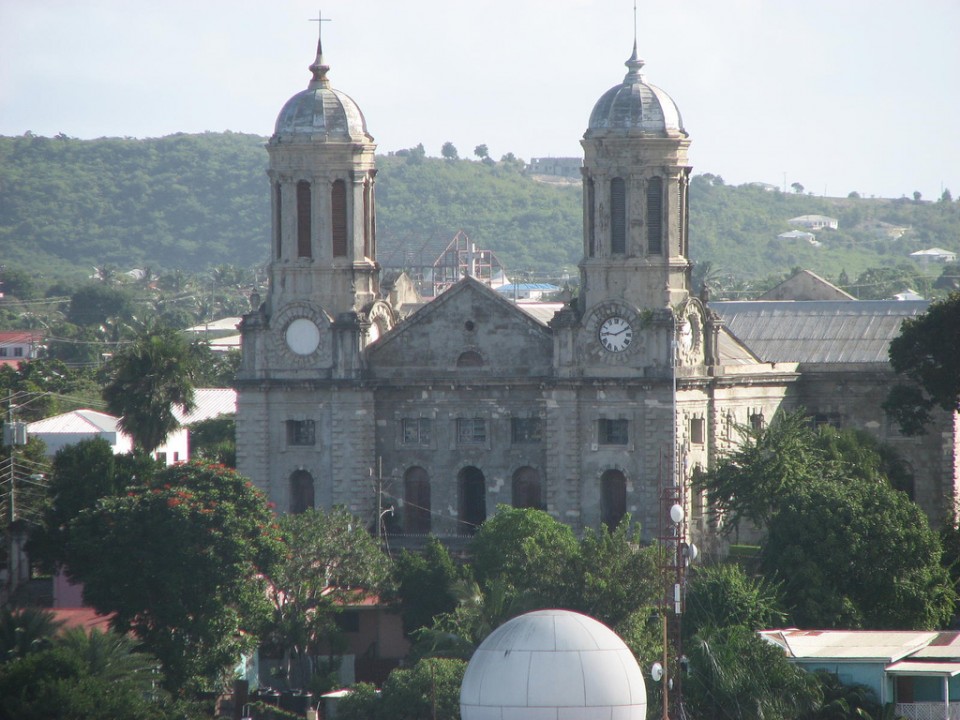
x: 25, y: 630
x: 112, y: 657
x: 146, y: 380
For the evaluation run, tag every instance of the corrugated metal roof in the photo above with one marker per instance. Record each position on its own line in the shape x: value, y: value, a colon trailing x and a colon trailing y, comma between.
x: 210, y: 402
x: 818, y: 331
x: 945, y: 645
x: 76, y: 421
x: 886, y: 645
x: 908, y: 667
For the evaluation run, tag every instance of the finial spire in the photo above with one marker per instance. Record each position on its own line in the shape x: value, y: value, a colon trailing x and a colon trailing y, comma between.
x: 319, y: 68
x: 635, y: 63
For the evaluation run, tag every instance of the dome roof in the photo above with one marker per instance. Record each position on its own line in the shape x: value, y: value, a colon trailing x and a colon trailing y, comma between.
x: 322, y: 112
x: 635, y: 105
x: 553, y: 665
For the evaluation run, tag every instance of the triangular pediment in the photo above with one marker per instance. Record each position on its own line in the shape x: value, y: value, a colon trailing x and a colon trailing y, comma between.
x: 469, y: 328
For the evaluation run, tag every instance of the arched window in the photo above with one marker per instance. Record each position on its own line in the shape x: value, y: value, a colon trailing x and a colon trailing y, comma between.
x: 591, y: 219
x: 470, y: 358
x: 416, y: 501
x: 655, y: 216
x: 278, y: 214
x: 304, y: 216
x: 473, y: 500
x: 526, y: 489
x: 301, y: 492
x: 338, y: 207
x: 618, y: 216
x: 613, y: 498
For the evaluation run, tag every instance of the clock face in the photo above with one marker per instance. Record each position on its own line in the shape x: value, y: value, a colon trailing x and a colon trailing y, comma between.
x: 373, y: 334
x: 615, y: 334
x: 303, y: 336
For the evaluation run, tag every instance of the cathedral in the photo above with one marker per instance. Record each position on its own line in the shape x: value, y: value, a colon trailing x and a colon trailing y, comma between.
x: 429, y: 421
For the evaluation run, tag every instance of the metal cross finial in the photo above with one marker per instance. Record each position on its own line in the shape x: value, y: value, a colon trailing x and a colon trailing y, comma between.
x: 319, y: 20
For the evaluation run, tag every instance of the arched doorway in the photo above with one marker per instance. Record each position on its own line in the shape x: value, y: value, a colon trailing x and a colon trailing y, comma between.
x: 473, y: 500
x: 301, y: 492
x: 613, y: 498
x: 416, y: 501
x: 526, y: 489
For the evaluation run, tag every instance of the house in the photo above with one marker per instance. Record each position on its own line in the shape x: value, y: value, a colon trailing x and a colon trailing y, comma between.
x: 814, y: 222
x: 19, y: 345
x: 916, y: 670
x: 799, y: 235
x: 936, y: 255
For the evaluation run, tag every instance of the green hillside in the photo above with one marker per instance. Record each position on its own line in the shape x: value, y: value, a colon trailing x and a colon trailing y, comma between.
x: 196, y: 202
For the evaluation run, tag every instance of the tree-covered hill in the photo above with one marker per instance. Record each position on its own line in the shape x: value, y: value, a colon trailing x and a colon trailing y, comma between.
x: 194, y: 202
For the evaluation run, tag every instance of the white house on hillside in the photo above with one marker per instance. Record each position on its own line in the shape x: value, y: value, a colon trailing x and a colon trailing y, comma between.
x: 814, y: 222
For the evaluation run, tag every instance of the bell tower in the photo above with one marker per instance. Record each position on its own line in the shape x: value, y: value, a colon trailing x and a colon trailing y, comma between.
x: 322, y: 199
x: 635, y: 177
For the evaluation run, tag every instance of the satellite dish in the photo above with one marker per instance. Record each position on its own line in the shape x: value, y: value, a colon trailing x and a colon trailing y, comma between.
x: 656, y: 672
x: 676, y: 513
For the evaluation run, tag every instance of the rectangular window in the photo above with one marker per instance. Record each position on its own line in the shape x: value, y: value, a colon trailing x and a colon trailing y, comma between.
x: 348, y: 621
x: 471, y: 431
x: 696, y: 431
x: 301, y: 432
x: 526, y: 430
x: 416, y: 431
x: 18, y: 352
x: 613, y: 432
x: 3, y: 352
x: 756, y: 421
x: 655, y: 216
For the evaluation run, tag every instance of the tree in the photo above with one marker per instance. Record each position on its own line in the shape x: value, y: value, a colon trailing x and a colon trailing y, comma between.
x: 430, y: 689
x: 146, y: 380
x: 83, y: 677
x: 526, y: 550
x: 180, y: 561
x: 613, y: 576
x: 917, y: 196
x: 329, y: 560
x: 723, y: 595
x: 425, y: 584
x: 214, y: 440
x: 449, y: 151
x: 946, y: 196
x: 96, y: 303
x: 82, y: 474
x: 853, y: 195
x: 797, y: 188
x: 24, y: 631
x: 857, y: 554
x: 481, y: 151
x: 926, y: 353
x: 747, y: 483
x: 736, y: 675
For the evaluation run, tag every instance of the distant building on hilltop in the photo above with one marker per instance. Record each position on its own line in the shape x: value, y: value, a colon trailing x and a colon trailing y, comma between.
x: 556, y: 166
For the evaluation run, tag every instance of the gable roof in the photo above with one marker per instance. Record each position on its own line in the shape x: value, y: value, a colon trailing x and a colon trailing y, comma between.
x: 805, y: 285
x: 75, y: 421
x: 465, y: 285
x: 818, y: 331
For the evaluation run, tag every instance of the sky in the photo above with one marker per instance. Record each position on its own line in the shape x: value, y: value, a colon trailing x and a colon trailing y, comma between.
x: 837, y: 95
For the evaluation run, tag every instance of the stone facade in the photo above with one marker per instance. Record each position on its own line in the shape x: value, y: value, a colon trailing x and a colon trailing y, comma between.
x: 469, y: 401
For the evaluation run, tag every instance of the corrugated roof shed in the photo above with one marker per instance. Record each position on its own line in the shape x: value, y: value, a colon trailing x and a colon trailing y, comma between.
x: 818, y: 331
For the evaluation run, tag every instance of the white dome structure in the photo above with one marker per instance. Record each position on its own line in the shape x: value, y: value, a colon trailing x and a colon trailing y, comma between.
x: 553, y: 665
